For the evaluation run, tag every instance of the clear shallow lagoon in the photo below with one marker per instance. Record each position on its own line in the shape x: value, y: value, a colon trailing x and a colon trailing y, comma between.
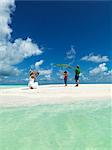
x: 79, y: 126
x: 11, y: 86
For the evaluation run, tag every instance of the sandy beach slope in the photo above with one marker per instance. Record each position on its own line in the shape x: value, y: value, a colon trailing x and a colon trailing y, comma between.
x: 54, y: 94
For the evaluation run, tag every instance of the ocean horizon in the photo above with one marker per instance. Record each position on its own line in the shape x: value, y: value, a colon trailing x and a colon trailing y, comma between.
x: 26, y: 84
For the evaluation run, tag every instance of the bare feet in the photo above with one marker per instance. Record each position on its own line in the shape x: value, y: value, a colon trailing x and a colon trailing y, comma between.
x: 31, y: 87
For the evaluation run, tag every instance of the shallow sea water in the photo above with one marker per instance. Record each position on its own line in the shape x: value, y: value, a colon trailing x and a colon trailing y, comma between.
x: 84, y: 125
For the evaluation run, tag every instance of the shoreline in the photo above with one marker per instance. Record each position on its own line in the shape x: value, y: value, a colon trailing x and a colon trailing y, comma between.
x: 54, y: 94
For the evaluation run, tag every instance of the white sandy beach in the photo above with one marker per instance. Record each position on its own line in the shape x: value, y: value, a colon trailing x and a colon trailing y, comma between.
x: 54, y: 94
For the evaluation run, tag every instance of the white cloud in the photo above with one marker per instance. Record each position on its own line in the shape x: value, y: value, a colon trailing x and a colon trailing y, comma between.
x: 6, y: 8
x: 108, y: 76
x: 48, y: 77
x: 95, y: 58
x: 7, y: 70
x: 38, y: 63
x: 71, y: 53
x: 100, y: 69
x: 60, y: 74
x: 83, y: 77
x: 26, y: 79
x: 45, y: 72
x: 108, y: 73
x: 12, y: 53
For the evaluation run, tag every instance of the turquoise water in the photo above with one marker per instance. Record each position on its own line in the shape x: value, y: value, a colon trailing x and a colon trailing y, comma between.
x: 79, y: 126
x: 11, y: 86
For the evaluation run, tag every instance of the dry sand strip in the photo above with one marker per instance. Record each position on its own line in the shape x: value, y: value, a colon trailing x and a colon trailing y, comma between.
x: 54, y: 94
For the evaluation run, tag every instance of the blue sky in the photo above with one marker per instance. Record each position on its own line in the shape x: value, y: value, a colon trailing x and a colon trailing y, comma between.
x: 68, y: 32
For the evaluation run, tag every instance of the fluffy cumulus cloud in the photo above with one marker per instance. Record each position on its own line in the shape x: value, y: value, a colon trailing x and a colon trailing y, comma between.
x: 101, y: 73
x: 98, y: 70
x: 108, y: 73
x: 83, y: 77
x: 45, y: 72
x: 95, y: 58
x: 60, y: 74
x: 6, y: 8
x: 48, y: 77
x: 38, y: 64
x: 71, y: 53
x: 12, y: 53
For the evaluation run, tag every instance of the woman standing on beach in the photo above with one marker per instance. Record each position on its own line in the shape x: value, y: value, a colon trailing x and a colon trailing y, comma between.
x: 65, y: 77
x: 32, y: 84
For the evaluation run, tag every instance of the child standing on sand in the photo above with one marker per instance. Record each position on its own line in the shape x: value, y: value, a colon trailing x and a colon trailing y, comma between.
x: 65, y: 77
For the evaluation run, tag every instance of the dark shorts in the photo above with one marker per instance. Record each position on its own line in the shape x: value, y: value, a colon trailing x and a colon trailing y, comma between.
x: 65, y: 81
x: 76, y: 77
